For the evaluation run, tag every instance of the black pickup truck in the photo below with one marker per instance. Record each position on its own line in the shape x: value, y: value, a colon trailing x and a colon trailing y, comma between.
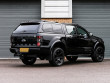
x: 53, y: 41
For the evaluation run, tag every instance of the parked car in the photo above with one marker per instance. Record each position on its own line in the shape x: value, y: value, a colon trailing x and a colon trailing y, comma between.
x: 54, y: 41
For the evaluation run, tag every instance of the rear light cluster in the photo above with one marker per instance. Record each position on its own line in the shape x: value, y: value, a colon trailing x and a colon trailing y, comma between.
x: 39, y: 39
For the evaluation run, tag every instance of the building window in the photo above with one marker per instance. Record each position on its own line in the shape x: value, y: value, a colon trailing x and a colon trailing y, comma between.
x: 56, y: 9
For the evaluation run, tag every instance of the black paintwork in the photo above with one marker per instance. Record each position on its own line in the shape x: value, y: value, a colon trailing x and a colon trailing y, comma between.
x: 72, y: 44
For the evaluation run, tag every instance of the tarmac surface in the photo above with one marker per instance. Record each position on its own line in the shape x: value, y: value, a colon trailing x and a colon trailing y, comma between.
x: 82, y: 71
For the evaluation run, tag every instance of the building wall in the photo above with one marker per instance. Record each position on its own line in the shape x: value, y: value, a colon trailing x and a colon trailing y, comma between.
x: 95, y: 17
x: 12, y: 13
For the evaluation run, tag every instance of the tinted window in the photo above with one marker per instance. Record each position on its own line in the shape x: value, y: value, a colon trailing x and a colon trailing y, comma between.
x: 57, y: 28
x: 47, y: 27
x: 27, y: 29
x: 70, y: 29
x: 81, y: 31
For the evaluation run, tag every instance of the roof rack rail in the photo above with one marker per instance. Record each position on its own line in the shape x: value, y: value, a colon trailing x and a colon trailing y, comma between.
x: 54, y: 21
x: 38, y: 21
x: 30, y: 21
x: 44, y: 20
x: 70, y: 23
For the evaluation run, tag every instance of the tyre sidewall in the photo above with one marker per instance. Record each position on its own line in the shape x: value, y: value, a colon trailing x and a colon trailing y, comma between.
x: 53, y: 57
x: 95, y: 57
x: 26, y: 61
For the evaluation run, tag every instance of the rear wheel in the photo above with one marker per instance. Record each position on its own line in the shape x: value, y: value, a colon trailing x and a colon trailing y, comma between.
x: 57, y: 57
x: 98, y: 55
x: 72, y: 58
x: 28, y: 60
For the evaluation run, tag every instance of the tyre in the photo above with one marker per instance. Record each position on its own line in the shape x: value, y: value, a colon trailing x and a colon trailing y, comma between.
x: 28, y: 60
x: 72, y: 58
x: 98, y: 55
x: 57, y: 57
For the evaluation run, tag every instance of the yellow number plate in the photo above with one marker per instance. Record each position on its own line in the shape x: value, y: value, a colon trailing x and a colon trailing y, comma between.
x: 24, y: 49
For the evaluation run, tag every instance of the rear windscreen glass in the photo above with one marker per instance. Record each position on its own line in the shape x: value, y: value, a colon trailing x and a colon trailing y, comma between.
x: 27, y: 29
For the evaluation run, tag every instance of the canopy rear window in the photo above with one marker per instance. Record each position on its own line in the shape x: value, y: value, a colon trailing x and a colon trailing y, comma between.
x: 27, y: 28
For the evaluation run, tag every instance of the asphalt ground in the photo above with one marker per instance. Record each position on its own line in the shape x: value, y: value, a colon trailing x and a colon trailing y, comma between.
x: 82, y: 71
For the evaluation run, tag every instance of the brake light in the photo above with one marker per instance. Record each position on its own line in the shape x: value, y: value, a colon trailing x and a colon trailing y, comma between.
x: 39, y: 38
x: 38, y: 43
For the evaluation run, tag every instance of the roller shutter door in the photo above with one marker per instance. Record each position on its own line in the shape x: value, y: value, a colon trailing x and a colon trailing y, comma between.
x: 11, y: 14
x: 95, y: 17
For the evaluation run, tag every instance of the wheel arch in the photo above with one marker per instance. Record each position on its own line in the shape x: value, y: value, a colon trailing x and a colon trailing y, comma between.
x: 58, y: 44
x: 99, y: 44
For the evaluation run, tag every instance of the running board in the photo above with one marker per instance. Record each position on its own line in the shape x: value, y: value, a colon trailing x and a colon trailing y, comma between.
x: 86, y: 55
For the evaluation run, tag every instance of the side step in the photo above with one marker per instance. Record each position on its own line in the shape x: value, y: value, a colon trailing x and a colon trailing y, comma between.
x: 85, y: 55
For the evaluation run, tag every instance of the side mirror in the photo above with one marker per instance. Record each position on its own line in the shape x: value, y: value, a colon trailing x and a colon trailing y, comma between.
x: 91, y: 34
x: 82, y: 36
x: 85, y: 35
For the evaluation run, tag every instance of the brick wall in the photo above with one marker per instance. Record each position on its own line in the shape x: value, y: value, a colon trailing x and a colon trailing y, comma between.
x: 60, y: 20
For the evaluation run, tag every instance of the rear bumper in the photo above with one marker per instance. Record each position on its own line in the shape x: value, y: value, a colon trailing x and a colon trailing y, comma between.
x: 31, y: 50
x: 41, y: 52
